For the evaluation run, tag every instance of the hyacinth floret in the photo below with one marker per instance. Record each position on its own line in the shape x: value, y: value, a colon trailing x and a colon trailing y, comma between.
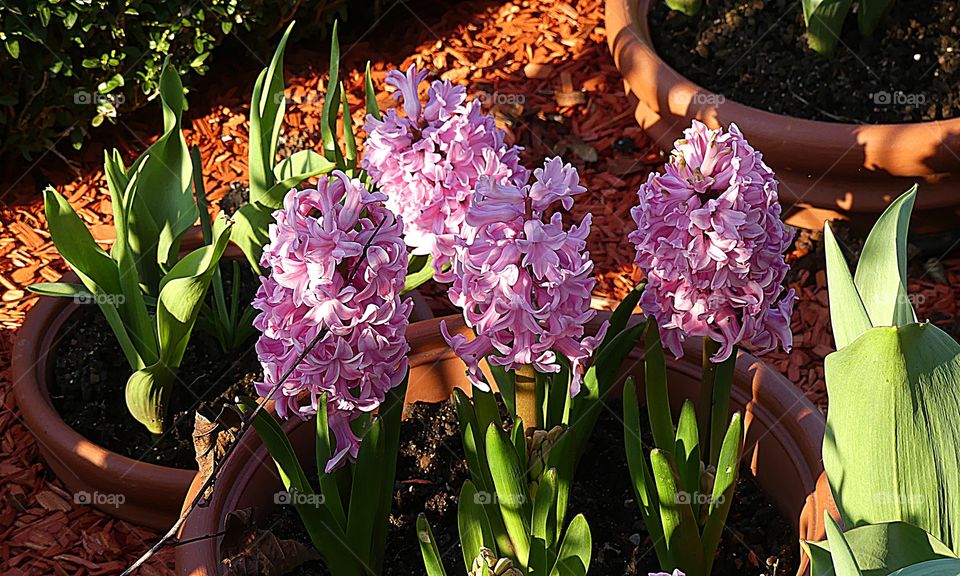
x: 337, y: 264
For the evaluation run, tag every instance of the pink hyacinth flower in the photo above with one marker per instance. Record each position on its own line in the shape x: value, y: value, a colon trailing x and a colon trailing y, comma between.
x: 337, y: 265
x: 523, y: 280
x: 710, y: 240
x: 429, y: 161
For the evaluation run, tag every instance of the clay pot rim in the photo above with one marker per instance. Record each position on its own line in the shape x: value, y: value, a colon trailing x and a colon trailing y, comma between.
x: 655, y: 82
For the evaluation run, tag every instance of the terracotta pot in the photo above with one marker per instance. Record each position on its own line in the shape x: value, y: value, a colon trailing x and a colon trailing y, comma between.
x: 138, y: 492
x: 826, y: 169
x: 784, y: 435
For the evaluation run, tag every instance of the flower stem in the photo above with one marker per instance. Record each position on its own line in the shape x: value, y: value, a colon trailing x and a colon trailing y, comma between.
x: 526, y: 390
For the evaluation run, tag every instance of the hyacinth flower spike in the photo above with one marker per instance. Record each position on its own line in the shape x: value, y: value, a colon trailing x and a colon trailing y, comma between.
x: 710, y: 242
x: 332, y: 344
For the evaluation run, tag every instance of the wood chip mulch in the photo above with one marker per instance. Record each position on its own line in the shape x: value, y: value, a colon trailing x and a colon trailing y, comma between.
x: 542, y: 67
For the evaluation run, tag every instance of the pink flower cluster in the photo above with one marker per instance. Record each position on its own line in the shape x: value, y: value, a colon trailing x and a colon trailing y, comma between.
x: 523, y: 280
x: 337, y: 264
x: 710, y: 240
x: 428, y: 162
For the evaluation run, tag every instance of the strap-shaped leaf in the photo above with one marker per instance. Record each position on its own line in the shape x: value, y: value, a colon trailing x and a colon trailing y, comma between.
x: 428, y: 547
x: 622, y: 314
x: 305, y: 163
x: 680, y: 531
x: 890, y: 449
x: 879, y: 549
x: 844, y: 563
x: 349, y: 139
x: 824, y: 20
x: 324, y: 449
x: 511, y: 491
x: 720, y: 405
x: 869, y: 14
x: 251, y: 224
x: 728, y: 467
x: 946, y: 567
x: 544, y: 509
x: 848, y: 317
x: 365, y: 492
x: 331, y: 103
x: 373, y: 109
x: 61, y: 290
x: 655, y: 383
x: 165, y: 208
x: 687, y: 453
x: 472, y: 522
x: 643, y: 486
x: 267, y: 106
x: 391, y: 415
x: 576, y: 550
x: 181, y: 296
x: 881, y: 276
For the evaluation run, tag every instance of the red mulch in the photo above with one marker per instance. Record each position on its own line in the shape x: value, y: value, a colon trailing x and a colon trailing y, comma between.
x: 544, y: 68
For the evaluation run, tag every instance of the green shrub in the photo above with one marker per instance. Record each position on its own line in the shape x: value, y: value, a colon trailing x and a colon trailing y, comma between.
x: 68, y: 65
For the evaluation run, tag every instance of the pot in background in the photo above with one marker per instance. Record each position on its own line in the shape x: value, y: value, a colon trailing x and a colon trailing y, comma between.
x: 826, y: 169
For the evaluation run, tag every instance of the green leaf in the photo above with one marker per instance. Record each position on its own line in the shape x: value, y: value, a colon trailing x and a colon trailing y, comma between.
x: 325, y: 450
x: 824, y: 20
x: 165, y: 207
x: 474, y: 527
x: 267, y: 106
x: 13, y: 48
x: 511, y: 490
x: 304, y: 164
x: 544, y: 513
x: 62, y: 290
x: 869, y: 14
x: 640, y: 478
x: 655, y: 376
x: 373, y: 109
x: 364, y: 493
x: 331, y: 103
x: 688, y: 7
x: 148, y: 394
x: 890, y: 450
x: 182, y: 292
x: 881, y: 276
x: 844, y: 562
x: 687, y: 453
x: 948, y: 567
x: 419, y: 271
x: 624, y: 311
x: 576, y: 550
x: 728, y: 467
x: 251, y: 224
x: 428, y: 547
x: 275, y: 195
x: 848, y: 317
x: 349, y: 139
x: 880, y: 549
x: 680, y: 531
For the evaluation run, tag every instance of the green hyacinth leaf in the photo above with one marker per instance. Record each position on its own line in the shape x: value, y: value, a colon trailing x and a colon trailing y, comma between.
x: 880, y: 549
x: 890, y: 449
x: 848, y: 317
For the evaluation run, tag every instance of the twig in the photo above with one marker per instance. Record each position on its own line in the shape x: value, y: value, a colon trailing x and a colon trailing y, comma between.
x: 245, y: 425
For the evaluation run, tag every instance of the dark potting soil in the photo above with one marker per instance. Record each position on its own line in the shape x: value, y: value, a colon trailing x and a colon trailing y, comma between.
x: 755, y: 52
x: 90, y: 375
x: 431, y: 471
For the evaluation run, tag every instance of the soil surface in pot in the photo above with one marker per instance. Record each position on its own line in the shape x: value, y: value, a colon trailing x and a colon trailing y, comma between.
x: 755, y: 52
x: 89, y: 377
x: 431, y: 471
